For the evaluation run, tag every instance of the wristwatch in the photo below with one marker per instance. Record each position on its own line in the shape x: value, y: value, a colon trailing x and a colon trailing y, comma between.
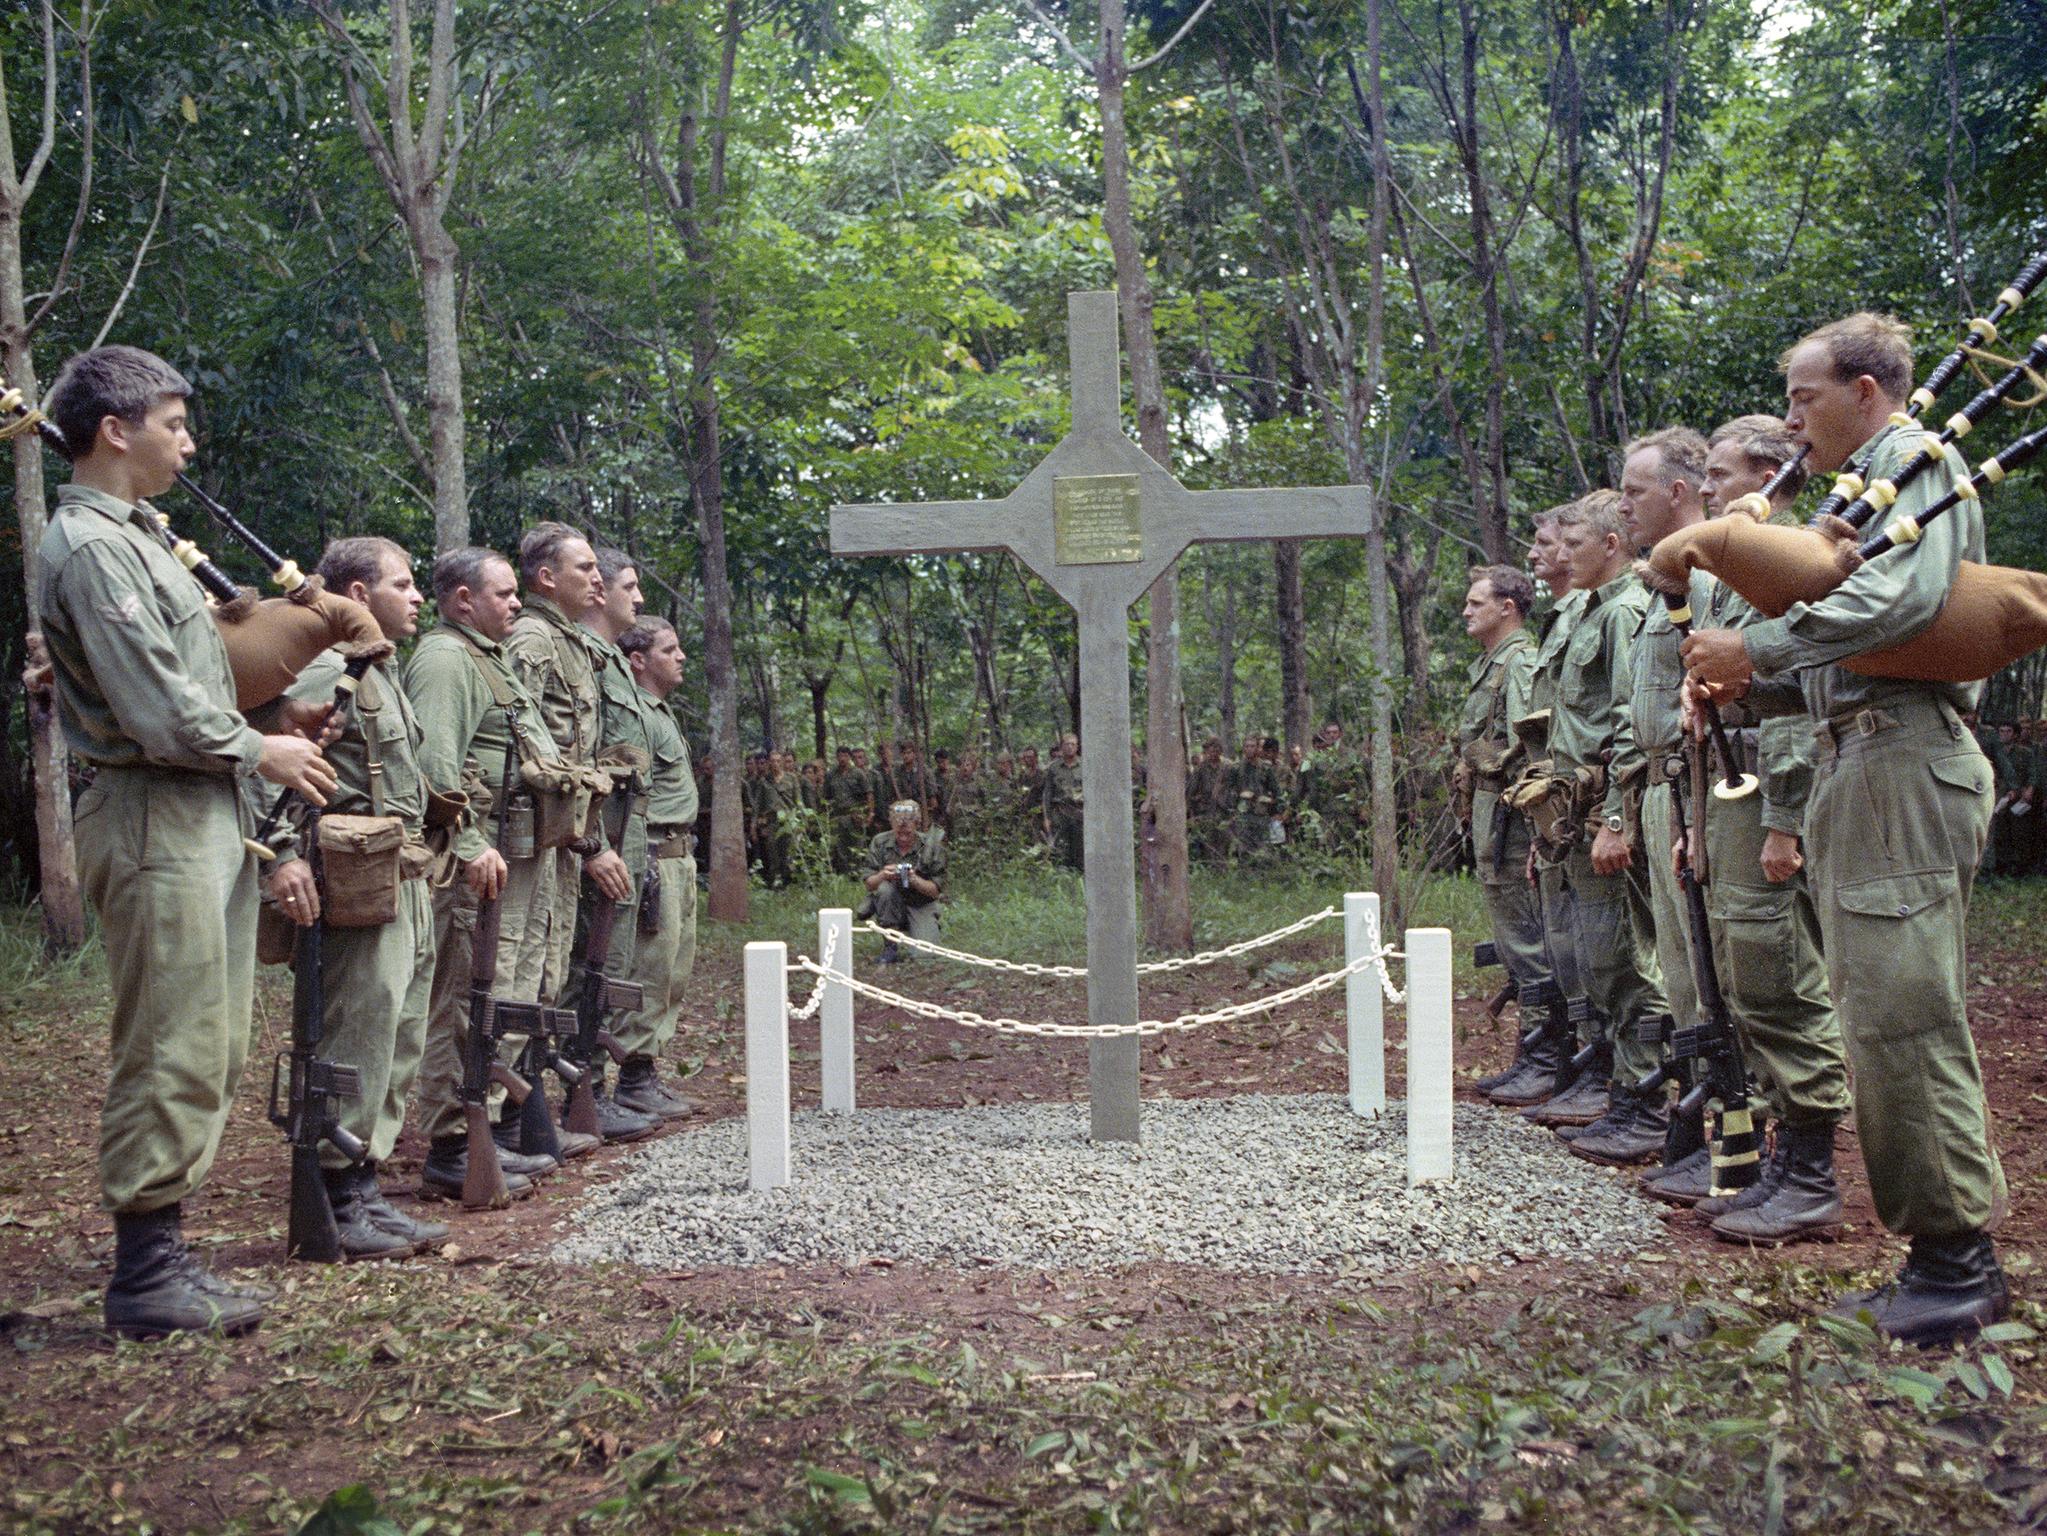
x: 1615, y: 825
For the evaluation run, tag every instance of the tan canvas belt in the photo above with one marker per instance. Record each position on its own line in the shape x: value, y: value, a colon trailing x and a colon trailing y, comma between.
x: 1668, y: 767
x: 1845, y: 732
x: 677, y: 845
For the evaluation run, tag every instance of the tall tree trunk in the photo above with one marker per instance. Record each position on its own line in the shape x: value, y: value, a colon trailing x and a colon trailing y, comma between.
x: 437, y: 262
x: 1385, y: 814
x: 50, y: 763
x: 697, y: 180
x: 1168, y: 918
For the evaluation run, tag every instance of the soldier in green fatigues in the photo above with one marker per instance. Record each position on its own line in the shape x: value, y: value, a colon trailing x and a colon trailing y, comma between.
x: 377, y: 981
x: 465, y: 698
x: 1608, y: 884
x: 667, y: 949
x: 626, y: 749
x: 1496, y: 605
x: 1766, y: 935
x: 1896, y: 822
x: 1207, y: 803
x: 905, y: 878
x: 849, y: 800
x: 1065, y: 814
x: 550, y: 652
x: 1557, y: 1095
x: 147, y: 704
x: 1253, y: 791
x: 1661, y: 476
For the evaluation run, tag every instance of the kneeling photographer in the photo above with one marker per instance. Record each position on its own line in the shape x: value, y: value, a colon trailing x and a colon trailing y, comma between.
x: 905, y: 877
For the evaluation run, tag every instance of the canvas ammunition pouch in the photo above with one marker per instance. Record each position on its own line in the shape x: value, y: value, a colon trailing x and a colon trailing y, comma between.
x: 363, y: 861
x: 566, y: 799
x: 1556, y: 800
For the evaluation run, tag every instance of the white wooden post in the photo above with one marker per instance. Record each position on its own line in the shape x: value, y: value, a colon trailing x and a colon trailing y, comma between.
x: 767, y: 1065
x: 1364, y: 1007
x: 835, y: 1016
x: 1428, y: 1055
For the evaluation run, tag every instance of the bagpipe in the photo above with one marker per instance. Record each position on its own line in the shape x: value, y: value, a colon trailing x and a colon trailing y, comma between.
x: 1993, y: 616
x: 269, y: 640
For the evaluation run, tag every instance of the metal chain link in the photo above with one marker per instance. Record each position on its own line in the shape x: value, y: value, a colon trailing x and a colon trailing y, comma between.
x: 1374, y: 958
x: 824, y: 968
x: 1148, y: 968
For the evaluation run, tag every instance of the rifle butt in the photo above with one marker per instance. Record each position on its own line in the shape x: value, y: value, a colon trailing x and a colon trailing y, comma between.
x: 538, y: 1136
x: 483, y: 1182
x: 1686, y: 1135
x: 310, y: 1233
x: 579, y: 1112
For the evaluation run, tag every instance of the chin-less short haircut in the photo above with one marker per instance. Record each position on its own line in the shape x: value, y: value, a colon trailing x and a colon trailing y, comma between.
x: 1680, y: 453
x: 1864, y: 343
x: 542, y: 545
x: 645, y: 634
x: 1549, y: 516
x: 1509, y: 585
x: 465, y: 567
x: 1599, y: 511
x: 108, y: 381
x: 1765, y: 444
x: 360, y: 558
x: 611, y: 561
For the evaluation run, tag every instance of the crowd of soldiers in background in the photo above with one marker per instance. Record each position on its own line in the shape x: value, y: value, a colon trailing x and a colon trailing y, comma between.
x: 1244, y: 808
x: 2018, y: 827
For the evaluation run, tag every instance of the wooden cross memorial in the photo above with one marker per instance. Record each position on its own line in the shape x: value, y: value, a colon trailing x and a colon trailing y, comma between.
x: 1098, y: 522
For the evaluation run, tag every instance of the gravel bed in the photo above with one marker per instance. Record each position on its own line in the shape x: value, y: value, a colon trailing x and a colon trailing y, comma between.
x: 1257, y: 1183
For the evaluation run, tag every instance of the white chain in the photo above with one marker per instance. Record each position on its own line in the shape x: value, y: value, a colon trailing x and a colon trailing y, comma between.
x: 823, y: 969
x: 1375, y: 958
x: 1148, y: 968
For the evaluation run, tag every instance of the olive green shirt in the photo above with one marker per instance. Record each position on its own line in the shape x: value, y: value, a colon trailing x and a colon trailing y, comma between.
x: 1784, y: 745
x: 672, y: 800
x: 849, y: 793
x: 1652, y: 726
x: 1492, y: 678
x: 1064, y: 792
x: 381, y: 705
x: 622, y: 722
x: 1540, y: 690
x: 460, y: 719
x: 552, y: 657
x: 1592, y: 681
x: 927, y: 853
x: 141, y: 673
x: 1886, y: 602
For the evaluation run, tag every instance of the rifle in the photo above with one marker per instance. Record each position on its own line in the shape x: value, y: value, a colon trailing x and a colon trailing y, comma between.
x: 1722, y: 1075
x: 305, y: 1110
x: 597, y: 996
x: 483, y: 1183
x: 1484, y: 956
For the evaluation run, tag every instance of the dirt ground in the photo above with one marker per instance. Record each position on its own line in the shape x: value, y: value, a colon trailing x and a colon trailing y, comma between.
x: 55, y: 1247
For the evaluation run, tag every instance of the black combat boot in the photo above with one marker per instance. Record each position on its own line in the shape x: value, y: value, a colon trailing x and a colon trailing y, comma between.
x: 573, y: 1144
x: 616, y: 1122
x: 1805, y: 1205
x: 159, y: 1288
x: 1584, y: 1100
x: 1536, y: 1074
x: 423, y: 1235
x: 1631, y: 1133
x: 447, y: 1165
x: 1713, y: 1207
x: 1950, y: 1288
x: 641, y: 1090
x: 1685, y: 1182
x: 1529, y: 999
x: 361, y: 1237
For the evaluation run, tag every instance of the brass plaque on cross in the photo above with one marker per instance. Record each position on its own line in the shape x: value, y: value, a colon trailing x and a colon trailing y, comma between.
x: 1095, y: 520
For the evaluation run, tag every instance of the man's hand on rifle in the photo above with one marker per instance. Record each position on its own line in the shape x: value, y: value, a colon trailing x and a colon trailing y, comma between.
x: 485, y: 875
x: 1782, y: 858
x: 608, y: 873
x: 296, y: 763
x: 296, y: 893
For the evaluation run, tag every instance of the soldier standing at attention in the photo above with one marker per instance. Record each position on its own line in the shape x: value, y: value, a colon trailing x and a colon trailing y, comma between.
x: 1065, y: 817
x: 1254, y: 793
x: 376, y: 981
x: 1897, y: 819
x: 1766, y: 935
x: 1545, y: 1086
x: 464, y: 696
x: 1029, y: 803
x: 667, y: 950
x: 147, y: 703
x: 1206, y: 788
x: 847, y: 798
x: 550, y: 656
x: 1496, y: 608
x: 1607, y: 880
